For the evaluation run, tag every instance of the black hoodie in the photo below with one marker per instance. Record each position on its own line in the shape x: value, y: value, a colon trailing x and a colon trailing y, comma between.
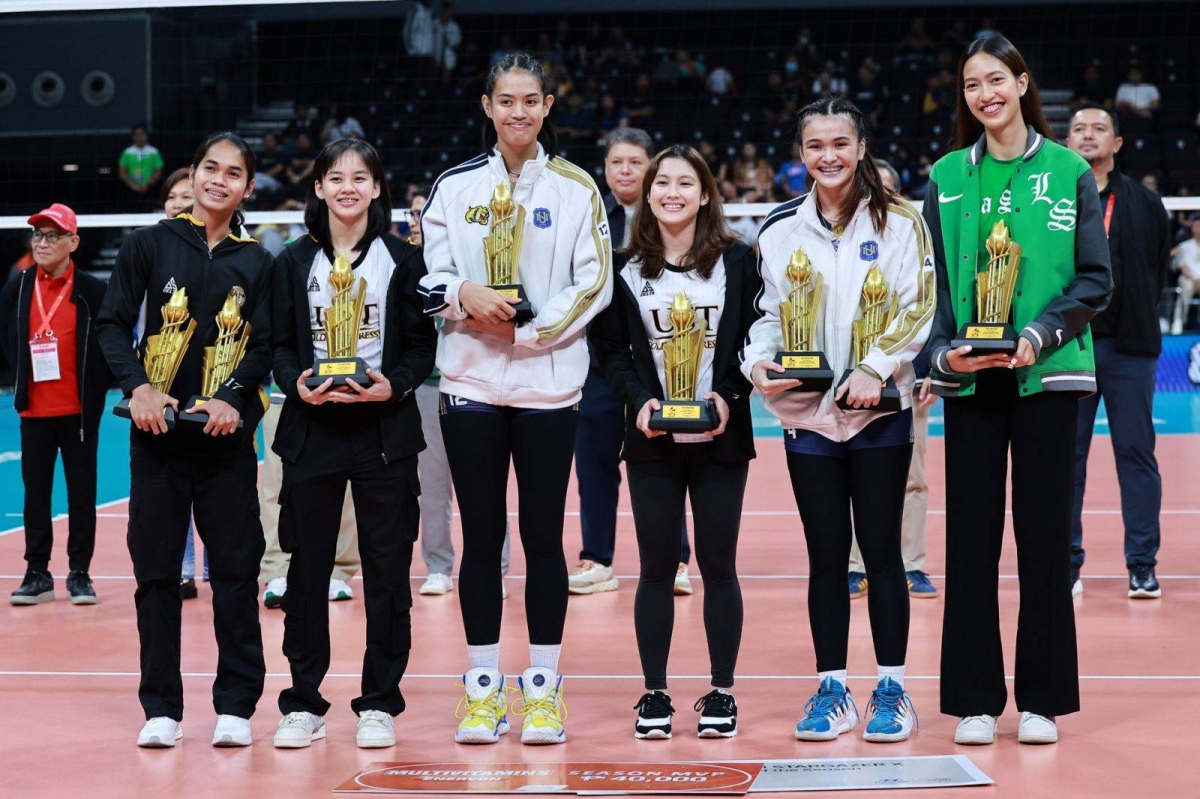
x: 157, y: 260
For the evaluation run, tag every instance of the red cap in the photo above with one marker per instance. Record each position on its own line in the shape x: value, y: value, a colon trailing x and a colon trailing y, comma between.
x: 58, y: 215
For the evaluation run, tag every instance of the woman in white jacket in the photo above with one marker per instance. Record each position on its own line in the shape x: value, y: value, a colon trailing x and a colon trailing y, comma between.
x: 510, y: 391
x: 856, y: 460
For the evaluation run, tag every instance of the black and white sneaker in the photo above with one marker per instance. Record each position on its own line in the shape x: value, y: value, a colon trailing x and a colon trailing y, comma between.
x: 79, y: 589
x: 1142, y: 582
x: 36, y: 588
x: 718, y: 714
x: 654, y: 716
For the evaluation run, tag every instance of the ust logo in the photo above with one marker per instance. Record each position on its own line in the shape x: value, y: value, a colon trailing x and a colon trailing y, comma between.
x: 478, y: 214
x: 868, y: 251
x: 541, y: 218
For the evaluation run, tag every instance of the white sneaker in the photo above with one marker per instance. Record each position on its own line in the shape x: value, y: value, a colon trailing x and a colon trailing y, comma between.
x: 1177, y: 328
x: 1077, y: 588
x: 339, y: 590
x: 376, y: 730
x: 483, y: 711
x: 976, y: 731
x: 273, y: 596
x: 298, y: 730
x: 160, y: 732
x: 232, y: 731
x: 542, y: 707
x: 1035, y: 729
x: 683, y: 583
x: 503, y: 589
x: 437, y: 585
x: 590, y: 577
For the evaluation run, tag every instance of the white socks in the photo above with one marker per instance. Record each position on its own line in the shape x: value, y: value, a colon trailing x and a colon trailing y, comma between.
x: 485, y: 657
x: 544, y: 656
x: 895, y: 672
x: 839, y: 675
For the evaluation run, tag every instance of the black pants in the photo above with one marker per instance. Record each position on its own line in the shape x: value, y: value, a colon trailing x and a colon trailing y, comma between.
x: 41, y: 441
x: 980, y: 432
x: 598, y: 471
x: 386, y: 506
x: 870, y: 482
x: 658, y: 490
x: 481, y: 440
x: 164, y: 493
x: 1127, y: 385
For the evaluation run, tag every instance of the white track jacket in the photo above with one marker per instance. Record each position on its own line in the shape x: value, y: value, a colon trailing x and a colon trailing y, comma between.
x: 904, y: 252
x: 565, y: 268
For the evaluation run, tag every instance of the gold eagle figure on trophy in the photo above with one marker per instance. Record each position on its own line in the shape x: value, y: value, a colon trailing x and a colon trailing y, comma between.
x: 166, y: 348
x: 344, y: 317
x: 226, y: 352
x: 681, y: 354
x: 800, y: 311
x: 878, y: 310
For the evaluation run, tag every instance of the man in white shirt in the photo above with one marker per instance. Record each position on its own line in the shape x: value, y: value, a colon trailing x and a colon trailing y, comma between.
x: 1187, y: 260
x: 1138, y: 97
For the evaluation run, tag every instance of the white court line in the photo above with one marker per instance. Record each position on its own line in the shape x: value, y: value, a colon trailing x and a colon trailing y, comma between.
x: 414, y: 577
x: 458, y: 677
x: 62, y: 516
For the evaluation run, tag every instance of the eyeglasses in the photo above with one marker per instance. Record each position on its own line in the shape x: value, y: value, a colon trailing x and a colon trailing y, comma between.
x: 51, y: 237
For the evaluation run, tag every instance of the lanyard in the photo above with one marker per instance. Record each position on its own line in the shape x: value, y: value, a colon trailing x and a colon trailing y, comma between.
x: 48, y: 318
x: 1112, y: 200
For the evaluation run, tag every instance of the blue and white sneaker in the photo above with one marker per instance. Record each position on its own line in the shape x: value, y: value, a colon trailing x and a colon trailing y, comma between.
x: 919, y: 586
x: 890, y: 714
x: 858, y: 584
x: 829, y: 713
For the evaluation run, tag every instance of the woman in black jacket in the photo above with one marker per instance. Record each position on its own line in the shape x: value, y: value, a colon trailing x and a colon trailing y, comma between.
x: 368, y: 435
x: 680, y: 246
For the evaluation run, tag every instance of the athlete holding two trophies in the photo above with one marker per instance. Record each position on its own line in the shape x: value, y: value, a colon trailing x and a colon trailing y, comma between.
x: 213, y: 334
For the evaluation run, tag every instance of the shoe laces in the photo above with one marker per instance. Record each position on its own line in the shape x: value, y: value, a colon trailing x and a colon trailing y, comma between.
x: 489, y: 708
x: 373, y: 717
x: 655, y: 705
x: 827, y: 699
x: 989, y: 720
x: 715, y: 703
x: 549, y: 706
x: 887, y: 700
x: 295, y: 717
x: 584, y: 565
x: 1141, y: 572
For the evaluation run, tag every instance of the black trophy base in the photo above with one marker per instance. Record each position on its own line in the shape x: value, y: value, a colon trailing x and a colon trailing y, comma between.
x: 810, y: 368
x: 889, y: 397
x: 197, y: 418
x: 523, y: 308
x: 987, y: 339
x: 340, y: 369
x: 678, y: 416
x: 122, y: 409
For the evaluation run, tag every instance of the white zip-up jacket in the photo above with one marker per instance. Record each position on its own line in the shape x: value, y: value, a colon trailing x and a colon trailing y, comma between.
x: 903, y: 252
x: 565, y: 268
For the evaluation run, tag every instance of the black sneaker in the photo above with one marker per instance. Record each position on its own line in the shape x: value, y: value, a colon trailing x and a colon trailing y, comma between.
x: 37, y: 587
x: 79, y: 589
x: 1076, y: 582
x: 718, y: 714
x: 1142, y: 582
x: 187, y: 588
x: 654, y: 716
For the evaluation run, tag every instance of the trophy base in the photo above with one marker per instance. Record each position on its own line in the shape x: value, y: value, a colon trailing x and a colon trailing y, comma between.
x: 988, y: 338
x: 122, y: 409
x: 810, y: 368
x: 889, y: 397
x: 197, y: 418
x: 679, y: 416
x: 340, y: 369
x: 523, y: 308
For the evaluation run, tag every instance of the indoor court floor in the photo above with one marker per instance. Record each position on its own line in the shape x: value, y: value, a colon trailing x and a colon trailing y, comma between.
x: 68, y: 675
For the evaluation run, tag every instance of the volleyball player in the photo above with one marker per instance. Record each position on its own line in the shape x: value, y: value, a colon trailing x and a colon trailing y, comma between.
x: 680, y: 245
x: 368, y: 435
x: 844, y: 461
x: 510, y: 392
x: 209, y: 472
x: 1008, y: 168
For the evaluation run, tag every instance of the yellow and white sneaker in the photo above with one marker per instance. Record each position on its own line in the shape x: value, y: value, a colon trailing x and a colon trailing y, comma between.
x: 542, y: 706
x: 483, y: 710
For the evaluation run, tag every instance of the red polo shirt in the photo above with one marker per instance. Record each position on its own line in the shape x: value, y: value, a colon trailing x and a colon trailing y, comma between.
x: 55, y: 397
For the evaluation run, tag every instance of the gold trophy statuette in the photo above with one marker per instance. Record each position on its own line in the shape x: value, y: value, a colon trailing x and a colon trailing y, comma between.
x: 877, y: 310
x: 221, y: 358
x: 502, y: 249
x: 799, y: 315
x: 992, y: 332
x: 681, y: 410
x: 343, y: 321
x: 165, y: 351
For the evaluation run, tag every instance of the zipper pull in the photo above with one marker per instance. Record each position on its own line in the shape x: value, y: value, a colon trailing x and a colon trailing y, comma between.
x: 81, y: 435
x: 384, y: 456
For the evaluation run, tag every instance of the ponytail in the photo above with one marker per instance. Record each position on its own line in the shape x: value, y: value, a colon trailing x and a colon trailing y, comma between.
x: 524, y: 63
x: 867, y: 182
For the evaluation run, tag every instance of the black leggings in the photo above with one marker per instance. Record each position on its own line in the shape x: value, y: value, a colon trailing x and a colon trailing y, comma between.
x: 480, y: 442
x: 872, y: 481
x: 657, y: 490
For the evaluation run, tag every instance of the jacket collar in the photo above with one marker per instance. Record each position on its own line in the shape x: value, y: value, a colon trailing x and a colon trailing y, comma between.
x: 184, y: 226
x: 1033, y: 145
x: 810, y: 214
x: 529, y: 172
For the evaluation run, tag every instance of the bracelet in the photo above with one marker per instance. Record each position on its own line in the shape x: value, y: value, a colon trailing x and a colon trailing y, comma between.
x: 869, y: 371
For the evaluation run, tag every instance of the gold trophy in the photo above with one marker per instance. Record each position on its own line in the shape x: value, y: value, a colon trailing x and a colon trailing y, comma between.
x: 502, y: 249
x: 165, y: 351
x: 992, y: 332
x: 343, y: 319
x: 681, y: 411
x: 222, y: 357
x: 878, y: 309
x: 800, y: 314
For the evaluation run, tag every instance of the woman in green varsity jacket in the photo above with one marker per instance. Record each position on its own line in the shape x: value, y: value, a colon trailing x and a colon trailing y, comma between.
x: 1008, y: 169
